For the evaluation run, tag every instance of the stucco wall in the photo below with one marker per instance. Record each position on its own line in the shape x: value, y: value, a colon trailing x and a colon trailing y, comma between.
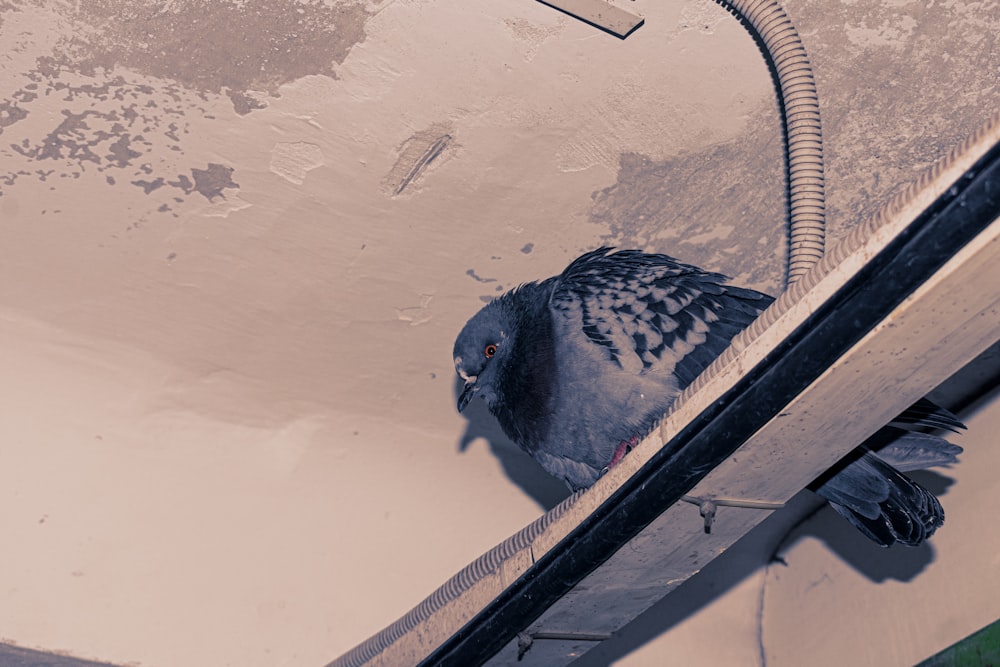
x: 239, y: 238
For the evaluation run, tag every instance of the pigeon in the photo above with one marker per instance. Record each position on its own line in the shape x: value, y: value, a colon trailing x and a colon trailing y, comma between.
x: 578, y: 367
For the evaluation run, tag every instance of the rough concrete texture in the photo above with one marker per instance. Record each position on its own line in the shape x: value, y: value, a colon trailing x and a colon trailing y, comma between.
x: 928, y: 598
x: 241, y: 236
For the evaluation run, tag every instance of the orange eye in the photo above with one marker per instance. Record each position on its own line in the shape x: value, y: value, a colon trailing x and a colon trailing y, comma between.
x: 490, y: 350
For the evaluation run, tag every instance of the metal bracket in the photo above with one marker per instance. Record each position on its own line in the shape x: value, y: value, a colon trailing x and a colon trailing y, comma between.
x: 707, y: 507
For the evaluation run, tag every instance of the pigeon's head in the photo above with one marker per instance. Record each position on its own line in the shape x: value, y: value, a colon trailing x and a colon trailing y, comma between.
x: 481, y: 350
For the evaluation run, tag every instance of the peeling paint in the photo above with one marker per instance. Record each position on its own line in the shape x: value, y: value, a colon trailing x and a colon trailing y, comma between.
x: 479, y: 279
x: 889, y: 34
x: 182, y: 41
x: 224, y: 207
x: 417, y: 315
x: 212, y: 181
x: 887, y: 113
x: 114, y: 125
x: 208, y: 182
x: 292, y: 161
x: 643, y: 209
x: 416, y: 155
x: 532, y: 35
x: 10, y: 113
x: 131, y: 78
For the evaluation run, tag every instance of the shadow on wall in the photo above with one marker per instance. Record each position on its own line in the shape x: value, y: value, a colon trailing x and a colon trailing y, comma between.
x: 805, y: 516
x: 544, y: 489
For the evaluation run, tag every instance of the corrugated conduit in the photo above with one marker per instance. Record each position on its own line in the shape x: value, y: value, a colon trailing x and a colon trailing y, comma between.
x: 798, y: 103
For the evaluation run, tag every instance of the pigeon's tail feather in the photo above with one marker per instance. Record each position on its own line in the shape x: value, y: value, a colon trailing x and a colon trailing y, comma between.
x: 869, y: 489
x: 881, y: 502
x: 928, y: 414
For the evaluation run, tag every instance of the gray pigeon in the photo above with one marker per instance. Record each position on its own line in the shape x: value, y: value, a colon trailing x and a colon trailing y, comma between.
x: 578, y: 367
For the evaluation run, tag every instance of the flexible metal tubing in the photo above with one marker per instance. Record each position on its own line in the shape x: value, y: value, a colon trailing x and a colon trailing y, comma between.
x: 798, y: 103
x: 927, y: 182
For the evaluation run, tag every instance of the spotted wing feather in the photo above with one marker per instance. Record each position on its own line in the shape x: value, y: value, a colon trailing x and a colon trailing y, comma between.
x: 650, y: 312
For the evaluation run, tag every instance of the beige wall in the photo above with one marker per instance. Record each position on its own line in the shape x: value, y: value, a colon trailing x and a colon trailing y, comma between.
x: 229, y: 433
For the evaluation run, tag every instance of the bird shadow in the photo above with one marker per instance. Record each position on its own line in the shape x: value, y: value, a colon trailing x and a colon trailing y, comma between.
x: 520, y: 468
x: 804, y: 516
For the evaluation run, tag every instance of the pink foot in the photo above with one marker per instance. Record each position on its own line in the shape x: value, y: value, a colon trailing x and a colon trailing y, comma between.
x: 624, y: 447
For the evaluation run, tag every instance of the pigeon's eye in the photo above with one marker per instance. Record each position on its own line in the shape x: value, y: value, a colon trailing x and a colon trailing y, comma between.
x: 490, y: 350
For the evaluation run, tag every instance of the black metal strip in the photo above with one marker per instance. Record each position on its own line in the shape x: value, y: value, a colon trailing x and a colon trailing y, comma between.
x: 957, y: 217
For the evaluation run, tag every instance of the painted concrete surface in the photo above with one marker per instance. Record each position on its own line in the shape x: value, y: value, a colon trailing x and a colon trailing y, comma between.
x: 239, y: 239
x: 910, y: 605
x: 804, y: 588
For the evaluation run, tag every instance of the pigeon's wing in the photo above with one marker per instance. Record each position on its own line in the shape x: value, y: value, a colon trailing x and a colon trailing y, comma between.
x: 905, y: 449
x: 648, y: 312
x: 911, y: 450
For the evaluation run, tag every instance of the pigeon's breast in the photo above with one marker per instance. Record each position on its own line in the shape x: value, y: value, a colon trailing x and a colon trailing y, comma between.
x: 597, y: 404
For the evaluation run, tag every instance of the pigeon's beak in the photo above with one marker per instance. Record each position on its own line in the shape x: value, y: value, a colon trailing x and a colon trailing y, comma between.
x: 467, y: 393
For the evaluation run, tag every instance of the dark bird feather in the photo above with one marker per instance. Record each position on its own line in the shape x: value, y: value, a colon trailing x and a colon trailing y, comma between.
x: 576, y: 366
